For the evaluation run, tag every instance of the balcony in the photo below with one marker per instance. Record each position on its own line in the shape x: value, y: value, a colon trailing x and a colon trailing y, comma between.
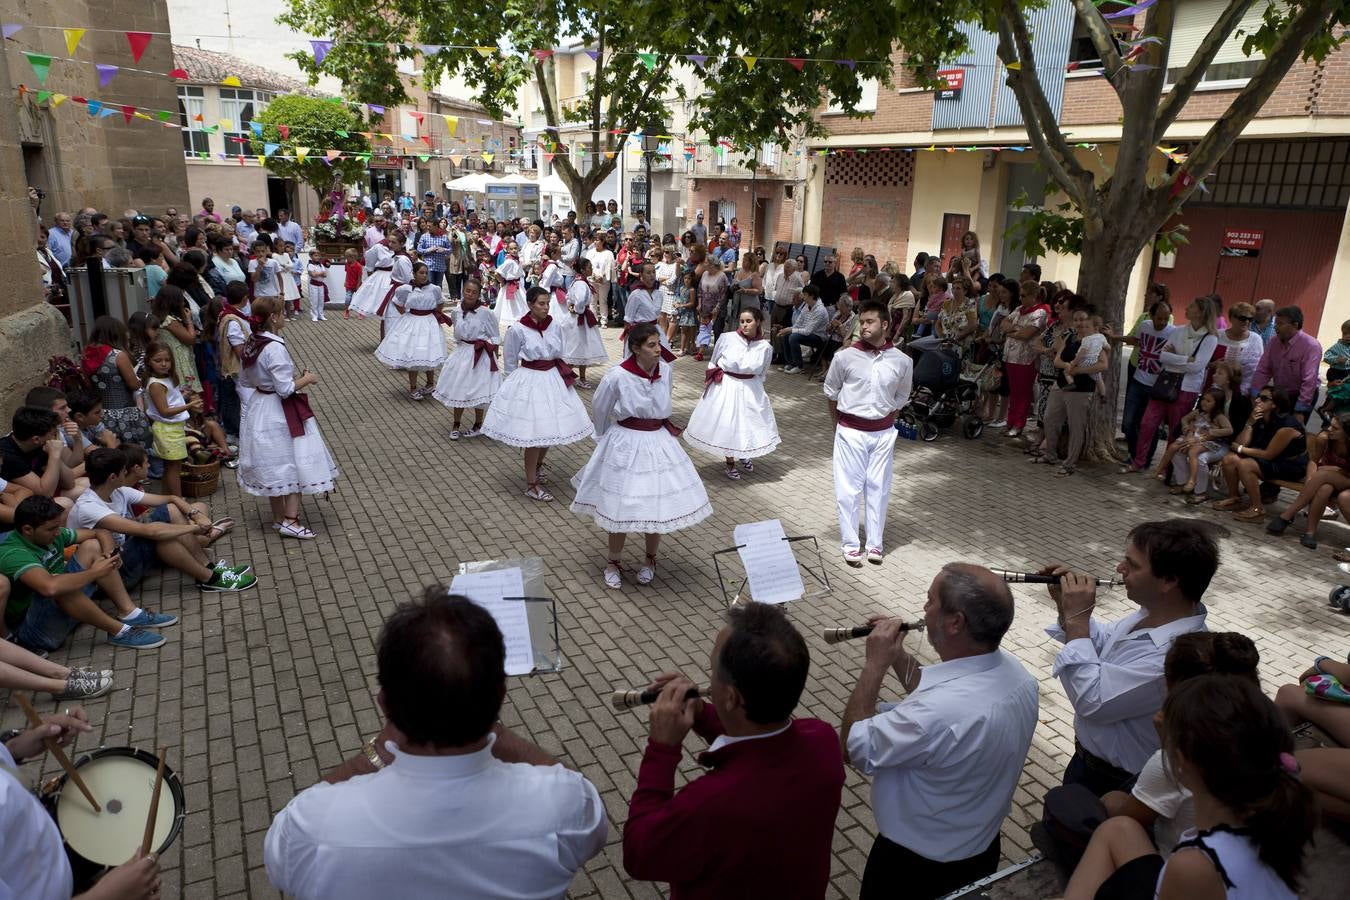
x: 778, y: 163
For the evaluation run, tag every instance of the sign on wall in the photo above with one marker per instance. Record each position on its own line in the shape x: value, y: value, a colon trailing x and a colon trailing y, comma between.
x: 1241, y: 242
x: 952, y: 82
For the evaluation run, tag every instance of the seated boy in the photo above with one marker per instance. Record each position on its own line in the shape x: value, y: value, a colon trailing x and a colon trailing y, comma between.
x: 86, y: 411
x: 31, y: 454
x: 50, y: 594
x: 25, y: 670
x: 171, y: 532
x: 72, y: 457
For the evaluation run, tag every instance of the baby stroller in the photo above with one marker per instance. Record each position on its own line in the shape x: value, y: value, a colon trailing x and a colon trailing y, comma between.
x: 940, y: 395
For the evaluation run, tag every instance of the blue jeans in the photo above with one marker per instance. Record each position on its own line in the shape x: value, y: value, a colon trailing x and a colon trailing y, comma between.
x: 1136, y: 401
x: 46, y: 626
x: 618, y: 297
x: 435, y: 276
x: 793, y: 349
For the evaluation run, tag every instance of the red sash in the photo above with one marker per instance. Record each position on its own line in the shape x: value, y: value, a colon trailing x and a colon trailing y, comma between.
x: 561, y: 296
x: 629, y: 326
x: 481, y: 347
x: 323, y: 286
x: 511, y: 288
x: 714, y: 376
x: 297, y: 410
x: 651, y: 425
x: 543, y: 365
x: 389, y: 295
x: 858, y: 423
x: 587, y: 318
x: 440, y: 316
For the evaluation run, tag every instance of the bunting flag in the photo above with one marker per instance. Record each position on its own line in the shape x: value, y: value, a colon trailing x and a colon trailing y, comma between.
x: 8, y: 31
x: 58, y: 99
x: 1013, y: 66
x: 226, y: 125
x: 106, y: 73
x: 609, y: 154
x: 749, y: 62
x: 95, y: 106
x: 451, y: 123
x: 256, y: 128
x: 342, y: 134
x: 127, y: 113
x: 548, y: 157
x: 138, y: 41
x: 796, y: 63
x: 164, y: 115
x: 426, y: 139
x: 487, y: 158
x: 320, y: 49
x: 332, y: 154
x: 73, y: 38
x: 849, y: 64
x: 269, y: 148
x: 375, y: 109
x: 485, y: 51
x: 593, y: 54
x: 106, y: 111
x: 231, y: 81
x: 697, y: 59
x: 1129, y: 12
x: 456, y: 158
x: 542, y: 55
x: 648, y: 60
x: 422, y: 157
x: 419, y: 116
x: 42, y: 96
x: 285, y: 131
x: 180, y: 74
x: 301, y: 153
x: 41, y: 65
x: 429, y: 49
x: 198, y: 118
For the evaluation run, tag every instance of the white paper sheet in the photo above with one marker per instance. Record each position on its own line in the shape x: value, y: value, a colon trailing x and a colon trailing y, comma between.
x: 488, y: 589
x: 769, y: 564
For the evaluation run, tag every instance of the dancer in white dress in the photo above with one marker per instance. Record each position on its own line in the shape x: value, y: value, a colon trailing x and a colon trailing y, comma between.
x: 639, y: 479
x: 511, y: 306
x: 642, y: 308
x: 379, y: 271
x: 582, y: 344
x: 379, y: 301
x: 734, y: 419
x: 470, y: 379
x: 282, y: 455
x: 536, y: 407
x: 554, y: 280
x: 415, y: 342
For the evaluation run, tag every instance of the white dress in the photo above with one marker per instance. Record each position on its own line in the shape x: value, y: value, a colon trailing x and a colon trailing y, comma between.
x: 535, y: 407
x: 290, y: 288
x: 471, y: 376
x: 271, y: 462
x: 379, y: 271
x: 638, y: 481
x: 642, y: 307
x: 414, y: 341
x: 582, y: 343
x: 554, y: 280
x: 511, y: 307
x: 734, y: 417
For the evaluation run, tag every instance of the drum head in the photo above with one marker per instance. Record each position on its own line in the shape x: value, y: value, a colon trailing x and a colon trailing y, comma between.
x: 122, y: 780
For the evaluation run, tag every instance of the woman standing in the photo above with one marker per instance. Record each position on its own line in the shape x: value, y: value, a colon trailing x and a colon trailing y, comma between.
x: 470, y: 379
x: 667, y: 275
x: 1185, y: 359
x: 734, y: 419
x: 282, y: 455
x: 639, y: 480
x: 1239, y: 343
x: 749, y: 289
x: 1071, y: 397
x: 414, y: 343
x: 1021, y: 329
x: 537, y: 407
x: 433, y: 247
x: 856, y: 274
x: 107, y: 363
x: 582, y: 343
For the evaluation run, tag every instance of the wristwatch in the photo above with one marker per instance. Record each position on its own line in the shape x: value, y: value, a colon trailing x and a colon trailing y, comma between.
x: 372, y: 754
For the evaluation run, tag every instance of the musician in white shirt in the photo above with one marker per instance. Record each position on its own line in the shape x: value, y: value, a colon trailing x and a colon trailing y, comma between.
x: 444, y: 801
x: 867, y: 385
x: 1113, y: 672
x: 945, y: 761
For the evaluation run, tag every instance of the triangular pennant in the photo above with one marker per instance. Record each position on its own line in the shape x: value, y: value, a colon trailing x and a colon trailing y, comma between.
x: 429, y: 49
x: 212, y: 129
x: 455, y: 158
x: 106, y: 111
x: 231, y: 81
x: 375, y: 109
x: 422, y: 157
x: 364, y: 157
x: 321, y: 49
x: 198, y: 118
x: 127, y: 113
x: 548, y: 157
x: 73, y: 38
x: 42, y: 96
x: 609, y: 154
x: 451, y: 123
x: 419, y: 116
x: 542, y: 55
x: 41, y: 65
x: 1013, y: 66
x: 408, y: 137
x: 749, y: 62
x: 58, y: 99
x: 368, y: 135
x: 332, y: 154
x: 847, y: 64
x: 301, y: 153
x: 426, y: 139
x: 487, y: 158
x: 269, y: 148
x: 593, y: 54
x: 8, y: 30
x: 342, y: 133
x: 95, y: 107
x: 697, y: 59
x: 180, y: 74
x: 256, y: 128
x: 328, y: 163
x: 138, y: 40
x: 337, y: 101
x: 226, y: 124
x: 796, y: 63
x: 285, y: 131
x: 485, y: 51
x: 106, y: 73
x: 648, y: 60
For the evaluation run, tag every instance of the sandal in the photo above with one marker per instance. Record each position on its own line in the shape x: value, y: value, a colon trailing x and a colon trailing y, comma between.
x: 1230, y: 503
x: 1250, y: 515
x: 733, y: 474
x: 648, y: 570
x: 1196, y: 499
x: 613, y: 575
x: 293, y: 529
x: 1342, y: 556
x: 535, y: 492
x: 1177, y: 489
x: 541, y: 475
x: 747, y: 465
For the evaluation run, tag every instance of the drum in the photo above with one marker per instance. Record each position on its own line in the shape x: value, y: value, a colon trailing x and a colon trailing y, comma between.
x: 122, y: 779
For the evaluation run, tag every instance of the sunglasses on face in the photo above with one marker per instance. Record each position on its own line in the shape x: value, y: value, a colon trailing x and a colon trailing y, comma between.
x: 1265, y: 398
x: 1242, y: 318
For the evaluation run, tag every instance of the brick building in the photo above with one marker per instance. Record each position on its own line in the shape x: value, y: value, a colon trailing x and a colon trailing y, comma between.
x: 927, y: 166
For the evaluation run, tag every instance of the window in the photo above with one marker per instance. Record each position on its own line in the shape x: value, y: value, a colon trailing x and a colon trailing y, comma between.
x: 769, y: 154
x: 866, y: 103
x: 190, y: 106
x: 1311, y: 174
x: 1193, y: 21
x: 239, y: 107
x: 1083, y: 52
x: 638, y: 197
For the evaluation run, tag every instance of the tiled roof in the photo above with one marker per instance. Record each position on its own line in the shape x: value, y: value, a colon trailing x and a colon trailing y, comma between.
x: 210, y: 67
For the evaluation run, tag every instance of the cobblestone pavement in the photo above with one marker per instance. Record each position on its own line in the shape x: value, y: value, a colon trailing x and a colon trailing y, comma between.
x: 256, y: 695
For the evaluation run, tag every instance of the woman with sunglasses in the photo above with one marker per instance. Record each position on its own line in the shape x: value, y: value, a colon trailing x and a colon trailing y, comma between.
x: 1273, y: 447
x: 1239, y: 343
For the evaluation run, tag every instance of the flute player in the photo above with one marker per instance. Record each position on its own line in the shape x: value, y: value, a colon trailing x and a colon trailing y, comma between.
x: 945, y: 761
x: 760, y: 823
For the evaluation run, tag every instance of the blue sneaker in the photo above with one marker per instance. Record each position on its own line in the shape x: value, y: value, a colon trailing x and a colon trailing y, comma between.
x: 137, y: 639
x: 148, y: 619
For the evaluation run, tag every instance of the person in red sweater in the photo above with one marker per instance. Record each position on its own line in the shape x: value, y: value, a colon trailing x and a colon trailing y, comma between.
x: 353, y: 278
x: 760, y: 823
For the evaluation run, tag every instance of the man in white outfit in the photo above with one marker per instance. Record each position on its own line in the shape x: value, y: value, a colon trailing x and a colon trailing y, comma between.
x: 867, y: 385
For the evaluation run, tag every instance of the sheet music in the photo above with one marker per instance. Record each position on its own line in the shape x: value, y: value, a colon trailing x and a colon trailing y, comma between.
x: 488, y: 589
x: 769, y: 564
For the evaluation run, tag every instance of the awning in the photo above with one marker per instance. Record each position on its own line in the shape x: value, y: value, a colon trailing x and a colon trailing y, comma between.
x: 472, y: 184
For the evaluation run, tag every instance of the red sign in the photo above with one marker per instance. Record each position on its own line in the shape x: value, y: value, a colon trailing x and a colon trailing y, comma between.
x: 952, y: 82
x: 1239, y: 242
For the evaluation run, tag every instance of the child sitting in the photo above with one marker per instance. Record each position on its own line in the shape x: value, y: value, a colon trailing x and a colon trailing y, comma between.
x: 1202, y: 431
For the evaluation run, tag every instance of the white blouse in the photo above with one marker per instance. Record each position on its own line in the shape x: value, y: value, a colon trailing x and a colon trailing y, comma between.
x: 525, y: 343
x: 579, y: 296
x: 510, y: 270
x: 554, y: 276
x: 410, y: 296
x: 733, y: 353
x: 641, y: 307
x: 622, y: 395
x: 274, y: 371
x: 379, y: 257
x: 479, y: 325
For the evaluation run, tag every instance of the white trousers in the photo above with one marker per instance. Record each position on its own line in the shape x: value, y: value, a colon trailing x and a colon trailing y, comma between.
x: 316, y: 295
x: 862, y: 475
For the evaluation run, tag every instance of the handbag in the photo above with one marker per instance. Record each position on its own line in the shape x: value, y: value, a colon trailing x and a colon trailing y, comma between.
x: 1167, y: 387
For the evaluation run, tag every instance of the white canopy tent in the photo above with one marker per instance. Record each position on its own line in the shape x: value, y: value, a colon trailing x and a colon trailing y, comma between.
x: 471, y: 184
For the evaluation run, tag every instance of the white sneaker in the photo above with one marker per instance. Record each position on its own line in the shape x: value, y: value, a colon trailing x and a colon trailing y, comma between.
x: 791, y: 370
x: 456, y: 435
x: 323, y: 318
x: 853, y: 557
x: 1001, y: 423
x: 472, y: 433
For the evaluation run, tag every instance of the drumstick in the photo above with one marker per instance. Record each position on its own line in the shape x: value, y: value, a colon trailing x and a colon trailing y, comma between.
x: 55, y: 749
x: 154, y: 804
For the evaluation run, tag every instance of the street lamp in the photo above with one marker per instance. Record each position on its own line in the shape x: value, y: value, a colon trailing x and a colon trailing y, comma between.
x: 651, y: 142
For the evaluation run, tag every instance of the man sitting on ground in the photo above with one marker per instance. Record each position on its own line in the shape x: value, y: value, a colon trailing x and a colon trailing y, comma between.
x: 31, y: 454
x: 51, y: 595
x: 173, y: 531
x: 760, y: 823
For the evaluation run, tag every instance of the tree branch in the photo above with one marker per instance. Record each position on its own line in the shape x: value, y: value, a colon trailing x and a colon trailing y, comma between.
x: 1102, y: 36
x: 1194, y: 72
x: 1041, y: 124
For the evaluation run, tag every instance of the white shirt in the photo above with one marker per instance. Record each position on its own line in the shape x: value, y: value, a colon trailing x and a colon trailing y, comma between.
x: 773, y: 273
x: 273, y: 371
x: 555, y: 275
x: 733, y: 353
x: 90, y: 509
x: 726, y: 740
x: 531, y: 252
x: 579, y: 296
x: 1189, y: 342
x: 869, y: 384
x: 410, y: 296
x: 641, y: 306
x: 290, y: 231
x: 787, y: 288
x: 946, y: 760
x: 466, y: 826
x: 525, y: 343
x: 379, y: 257
x: 510, y: 270
x: 622, y: 395
x: 1246, y: 353
x: 373, y: 236
x: 1114, y: 680
x: 479, y: 325
x: 812, y: 319
x: 1160, y: 792
x: 602, y: 264
x: 33, y: 863
x: 570, y: 251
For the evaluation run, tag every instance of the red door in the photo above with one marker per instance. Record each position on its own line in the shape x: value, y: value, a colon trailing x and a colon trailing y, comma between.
x: 954, y: 225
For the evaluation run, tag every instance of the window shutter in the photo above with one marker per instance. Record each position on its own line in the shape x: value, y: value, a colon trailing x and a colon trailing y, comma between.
x: 1193, y: 21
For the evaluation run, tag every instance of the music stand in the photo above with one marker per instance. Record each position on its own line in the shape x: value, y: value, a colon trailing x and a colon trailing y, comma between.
x: 540, y: 607
x: 818, y: 571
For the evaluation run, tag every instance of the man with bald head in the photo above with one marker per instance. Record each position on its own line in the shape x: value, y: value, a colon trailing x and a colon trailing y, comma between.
x: 945, y: 761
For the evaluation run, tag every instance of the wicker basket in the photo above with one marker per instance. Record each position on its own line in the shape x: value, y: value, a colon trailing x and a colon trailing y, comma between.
x: 200, y: 480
